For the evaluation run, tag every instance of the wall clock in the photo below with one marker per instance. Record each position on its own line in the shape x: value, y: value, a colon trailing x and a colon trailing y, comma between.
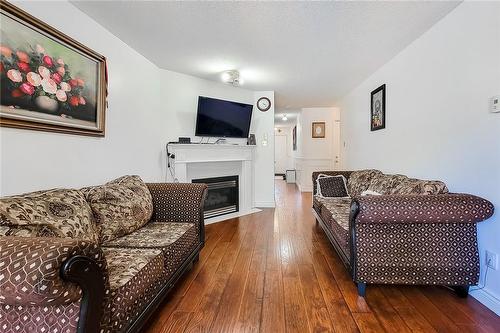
x: 264, y: 104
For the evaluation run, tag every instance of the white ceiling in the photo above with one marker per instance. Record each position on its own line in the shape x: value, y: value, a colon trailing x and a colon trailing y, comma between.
x: 291, y: 116
x: 310, y: 53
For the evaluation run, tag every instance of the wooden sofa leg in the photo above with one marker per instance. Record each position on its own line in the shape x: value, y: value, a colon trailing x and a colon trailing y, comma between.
x: 361, y: 289
x: 461, y: 291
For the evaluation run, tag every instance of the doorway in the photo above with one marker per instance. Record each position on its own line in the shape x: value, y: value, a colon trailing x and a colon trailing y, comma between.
x: 280, y: 154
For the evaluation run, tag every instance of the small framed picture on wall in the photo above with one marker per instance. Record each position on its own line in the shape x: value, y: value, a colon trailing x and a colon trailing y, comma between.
x: 294, y: 136
x: 318, y: 129
x: 377, y: 119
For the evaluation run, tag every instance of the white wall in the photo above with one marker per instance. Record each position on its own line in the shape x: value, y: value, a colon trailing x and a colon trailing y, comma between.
x: 263, y: 127
x: 316, y: 147
x: 438, y: 125
x: 148, y: 107
x: 38, y: 160
x: 314, y: 154
x: 179, y: 101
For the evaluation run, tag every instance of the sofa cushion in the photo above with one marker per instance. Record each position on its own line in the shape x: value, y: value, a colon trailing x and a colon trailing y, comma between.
x: 317, y: 203
x: 176, y: 240
x: 125, y: 263
x: 424, y: 187
x: 331, y: 186
x: 152, y: 235
x: 51, y: 213
x: 359, y: 181
x: 335, y: 214
x: 135, y: 277
x: 339, y: 209
x: 400, y: 184
x: 386, y: 184
x: 120, y: 206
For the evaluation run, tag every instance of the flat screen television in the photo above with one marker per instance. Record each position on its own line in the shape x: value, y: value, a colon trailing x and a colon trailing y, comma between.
x: 225, y: 119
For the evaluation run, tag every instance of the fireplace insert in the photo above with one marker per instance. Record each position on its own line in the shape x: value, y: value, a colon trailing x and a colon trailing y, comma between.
x: 222, y: 197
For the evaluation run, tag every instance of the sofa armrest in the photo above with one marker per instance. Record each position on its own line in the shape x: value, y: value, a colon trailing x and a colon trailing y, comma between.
x: 440, y: 208
x: 315, y: 175
x: 41, y: 270
x: 179, y: 202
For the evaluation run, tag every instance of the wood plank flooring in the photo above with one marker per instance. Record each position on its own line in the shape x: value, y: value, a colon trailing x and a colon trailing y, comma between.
x: 275, y: 271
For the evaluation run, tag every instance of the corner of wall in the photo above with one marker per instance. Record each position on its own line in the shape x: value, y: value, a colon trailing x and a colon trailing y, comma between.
x: 263, y: 128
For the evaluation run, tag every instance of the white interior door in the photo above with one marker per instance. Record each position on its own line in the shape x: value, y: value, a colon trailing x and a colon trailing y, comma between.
x: 336, y: 145
x: 280, y: 144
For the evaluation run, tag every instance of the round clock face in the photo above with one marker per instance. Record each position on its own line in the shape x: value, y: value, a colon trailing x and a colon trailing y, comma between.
x: 263, y: 104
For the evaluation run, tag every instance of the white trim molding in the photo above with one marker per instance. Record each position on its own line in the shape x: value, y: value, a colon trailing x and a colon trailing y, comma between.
x: 306, y: 166
x: 487, y: 299
x: 226, y: 217
x: 265, y: 204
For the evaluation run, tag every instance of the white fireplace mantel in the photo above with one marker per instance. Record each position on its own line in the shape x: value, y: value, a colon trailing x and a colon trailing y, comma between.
x: 194, y: 161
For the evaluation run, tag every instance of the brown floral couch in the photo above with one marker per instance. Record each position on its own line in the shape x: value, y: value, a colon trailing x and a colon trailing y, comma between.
x: 98, y: 259
x: 412, y: 232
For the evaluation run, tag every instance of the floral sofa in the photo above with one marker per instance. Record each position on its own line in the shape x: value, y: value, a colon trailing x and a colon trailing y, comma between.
x: 98, y: 259
x: 411, y: 232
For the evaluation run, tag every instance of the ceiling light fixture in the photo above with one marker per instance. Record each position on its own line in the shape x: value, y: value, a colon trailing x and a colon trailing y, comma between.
x: 284, y: 118
x: 232, y: 77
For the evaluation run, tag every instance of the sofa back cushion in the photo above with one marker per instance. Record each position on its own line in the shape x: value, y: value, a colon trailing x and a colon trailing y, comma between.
x: 120, y: 206
x: 399, y: 184
x: 419, y: 186
x: 360, y: 180
x: 51, y: 213
x: 386, y: 184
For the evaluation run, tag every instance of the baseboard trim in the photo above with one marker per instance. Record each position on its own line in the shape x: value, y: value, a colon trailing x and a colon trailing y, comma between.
x: 230, y: 216
x: 487, y: 299
x: 265, y: 204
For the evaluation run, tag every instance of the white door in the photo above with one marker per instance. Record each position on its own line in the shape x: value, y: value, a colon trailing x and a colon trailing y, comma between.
x: 336, y: 145
x: 280, y: 158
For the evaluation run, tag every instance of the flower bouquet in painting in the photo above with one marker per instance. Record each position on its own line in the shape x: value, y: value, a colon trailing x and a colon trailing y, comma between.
x: 48, y: 80
x: 33, y: 80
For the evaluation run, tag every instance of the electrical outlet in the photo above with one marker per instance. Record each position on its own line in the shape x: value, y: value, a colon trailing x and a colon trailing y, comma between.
x: 491, y: 260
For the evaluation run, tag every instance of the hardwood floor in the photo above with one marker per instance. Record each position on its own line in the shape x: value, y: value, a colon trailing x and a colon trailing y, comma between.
x: 275, y: 271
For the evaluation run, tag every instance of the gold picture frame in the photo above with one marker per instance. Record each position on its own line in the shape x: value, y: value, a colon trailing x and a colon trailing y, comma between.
x: 49, y: 81
x: 318, y: 129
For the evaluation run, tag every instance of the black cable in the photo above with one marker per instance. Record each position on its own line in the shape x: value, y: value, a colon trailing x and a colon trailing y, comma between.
x: 169, y: 167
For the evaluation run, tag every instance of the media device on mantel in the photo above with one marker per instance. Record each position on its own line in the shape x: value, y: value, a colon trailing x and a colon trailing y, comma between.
x: 223, y: 119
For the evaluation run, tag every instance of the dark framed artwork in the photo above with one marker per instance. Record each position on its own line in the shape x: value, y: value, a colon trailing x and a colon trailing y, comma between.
x: 377, y: 119
x: 49, y: 81
x: 294, y: 136
x: 318, y: 129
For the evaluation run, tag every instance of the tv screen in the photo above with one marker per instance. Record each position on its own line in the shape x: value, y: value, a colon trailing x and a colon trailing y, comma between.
x: 222, y: 118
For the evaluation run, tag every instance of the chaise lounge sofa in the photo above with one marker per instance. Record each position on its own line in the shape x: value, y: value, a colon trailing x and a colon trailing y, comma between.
x: 99, y: 259
x: 391, y: 229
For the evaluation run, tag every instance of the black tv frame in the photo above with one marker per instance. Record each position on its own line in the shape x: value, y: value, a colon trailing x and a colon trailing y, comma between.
x: 221, y: 136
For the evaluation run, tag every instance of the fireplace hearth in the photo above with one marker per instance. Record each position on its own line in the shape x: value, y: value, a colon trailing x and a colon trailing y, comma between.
x: 222, y: 197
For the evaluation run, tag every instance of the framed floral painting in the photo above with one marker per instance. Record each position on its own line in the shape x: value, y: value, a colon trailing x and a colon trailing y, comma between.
x: 49, y: 81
